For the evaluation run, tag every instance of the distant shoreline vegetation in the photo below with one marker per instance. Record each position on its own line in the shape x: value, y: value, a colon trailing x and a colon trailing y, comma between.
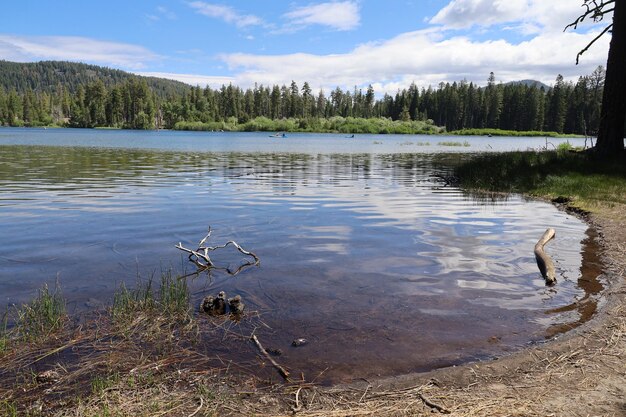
x: 517, y: 133
x: 77, y: 95
x: 337, y: 124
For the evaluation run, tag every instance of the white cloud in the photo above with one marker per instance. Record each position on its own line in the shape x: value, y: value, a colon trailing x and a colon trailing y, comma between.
x: 226, y: 13
x: 74, y: 48
x: 532, y: 16
x: 337, y: 15
x: 460, y: 14
x: 192, y: 79
x: 425, y: 57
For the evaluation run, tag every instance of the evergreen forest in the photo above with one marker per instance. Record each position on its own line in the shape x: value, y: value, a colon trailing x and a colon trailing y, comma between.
x: 78, y: 95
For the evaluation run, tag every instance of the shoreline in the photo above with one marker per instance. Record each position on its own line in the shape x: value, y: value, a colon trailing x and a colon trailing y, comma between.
x: 581, y: 372
x: 479, y: 132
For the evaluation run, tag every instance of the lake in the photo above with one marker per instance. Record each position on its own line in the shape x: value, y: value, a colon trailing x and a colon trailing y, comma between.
x: 365, y: 251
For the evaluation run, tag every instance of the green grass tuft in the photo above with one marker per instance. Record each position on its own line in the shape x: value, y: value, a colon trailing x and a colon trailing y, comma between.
x: 42, y: 316
x: 8, y: 409
x: 172, y: 299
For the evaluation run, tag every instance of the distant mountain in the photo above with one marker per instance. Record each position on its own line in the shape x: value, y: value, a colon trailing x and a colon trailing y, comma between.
x: 47, y: 75
x: 530, y: 83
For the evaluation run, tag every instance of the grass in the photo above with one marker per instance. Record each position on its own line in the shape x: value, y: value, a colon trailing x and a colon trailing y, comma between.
x: 33, y: 322
x: 4, y: 334
x: 450, y: 143
x: 8, y: 409
x: 103, y: 364
x: 501, y: 132
x: 561, y: 173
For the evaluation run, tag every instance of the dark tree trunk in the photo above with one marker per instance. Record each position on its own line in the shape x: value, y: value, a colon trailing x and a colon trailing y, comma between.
x: 611, y: 136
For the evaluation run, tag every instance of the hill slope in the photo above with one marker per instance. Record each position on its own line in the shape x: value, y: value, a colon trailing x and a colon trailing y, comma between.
x: 47, y: 75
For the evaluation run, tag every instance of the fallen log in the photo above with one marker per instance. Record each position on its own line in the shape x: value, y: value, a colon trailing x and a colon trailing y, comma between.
x: 544, y: 262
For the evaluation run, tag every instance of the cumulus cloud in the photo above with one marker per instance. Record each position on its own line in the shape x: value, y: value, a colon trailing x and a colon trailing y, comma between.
x: 226, y: 13
x: 336, y: 15
x: 531, y: 16
x: 74, y: 48
x: 426, y: 58
x: 192, y: 79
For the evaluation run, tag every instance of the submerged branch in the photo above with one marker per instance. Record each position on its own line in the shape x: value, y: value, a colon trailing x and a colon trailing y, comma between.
x: 200, y: 256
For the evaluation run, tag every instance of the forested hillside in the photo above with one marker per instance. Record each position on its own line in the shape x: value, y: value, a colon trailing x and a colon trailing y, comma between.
x: 47, y: 76
x: 78, y: 95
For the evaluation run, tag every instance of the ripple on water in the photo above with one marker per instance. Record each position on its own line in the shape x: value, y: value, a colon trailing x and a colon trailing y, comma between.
x: 383, y: 268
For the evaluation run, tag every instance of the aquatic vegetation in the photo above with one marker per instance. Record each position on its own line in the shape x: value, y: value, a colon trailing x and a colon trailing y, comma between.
x: 336, y: 124
x: 502, y: 132
x: 445, y: 143
x: 173, y: 300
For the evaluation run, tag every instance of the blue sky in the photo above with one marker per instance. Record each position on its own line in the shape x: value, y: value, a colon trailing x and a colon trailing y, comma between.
x: 388, y: 44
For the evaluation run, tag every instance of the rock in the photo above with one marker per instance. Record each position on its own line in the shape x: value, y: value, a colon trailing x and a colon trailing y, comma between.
x: 207, y: 304
x: 299, y: 342
x: 219, y: 304
x: 235, y: 304
x: 47, y: 377
x: 214, y: 305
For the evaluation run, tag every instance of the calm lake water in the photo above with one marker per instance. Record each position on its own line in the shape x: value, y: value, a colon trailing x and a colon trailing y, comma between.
x: 364, y: 251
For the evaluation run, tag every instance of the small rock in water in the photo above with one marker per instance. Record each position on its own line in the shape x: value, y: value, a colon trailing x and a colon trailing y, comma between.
x: 299, y: 342
x: 219, y: 304
x: 207, y: 304
x: 214, y: 305
x: 235, y: 304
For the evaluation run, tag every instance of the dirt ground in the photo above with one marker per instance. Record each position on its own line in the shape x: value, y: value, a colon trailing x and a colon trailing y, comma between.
x: 582, y: 373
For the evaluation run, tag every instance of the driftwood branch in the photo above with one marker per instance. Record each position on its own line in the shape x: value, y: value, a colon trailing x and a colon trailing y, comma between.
x: 544, y: 262
x: 432, y: 405
x: 200, y: 256
x: 282, y: 371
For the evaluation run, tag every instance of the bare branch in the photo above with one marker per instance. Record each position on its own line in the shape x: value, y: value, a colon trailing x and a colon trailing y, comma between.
x: 595, y: 12
x: 586, y: 48
x: 200, y: 256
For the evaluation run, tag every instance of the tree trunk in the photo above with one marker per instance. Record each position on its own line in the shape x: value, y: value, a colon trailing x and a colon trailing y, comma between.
x: 611, y: 136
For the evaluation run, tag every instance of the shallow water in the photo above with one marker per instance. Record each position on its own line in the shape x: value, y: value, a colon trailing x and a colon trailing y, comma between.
x: 380, y: 265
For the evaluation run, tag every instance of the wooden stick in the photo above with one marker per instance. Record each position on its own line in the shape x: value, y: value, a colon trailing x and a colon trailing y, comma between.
x: 282, y: 371
x: 432, y: 405
x: 544, y: 262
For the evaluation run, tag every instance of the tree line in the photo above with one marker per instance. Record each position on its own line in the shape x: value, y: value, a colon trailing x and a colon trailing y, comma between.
x: 566, y: 107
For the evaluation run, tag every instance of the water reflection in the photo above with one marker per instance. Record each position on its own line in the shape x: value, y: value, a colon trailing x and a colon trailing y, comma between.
x: 371, y: 257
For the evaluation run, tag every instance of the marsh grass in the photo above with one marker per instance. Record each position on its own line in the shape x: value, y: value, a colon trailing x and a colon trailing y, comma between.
x: 515, y: 133
x: 146, y: 342
x: 561, y: 173
x: 156, y: 312
x: 450, y: 143
x: 42, y: 316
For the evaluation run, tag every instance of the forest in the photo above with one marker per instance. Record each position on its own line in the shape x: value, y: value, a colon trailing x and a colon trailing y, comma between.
x: 78, y: 95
